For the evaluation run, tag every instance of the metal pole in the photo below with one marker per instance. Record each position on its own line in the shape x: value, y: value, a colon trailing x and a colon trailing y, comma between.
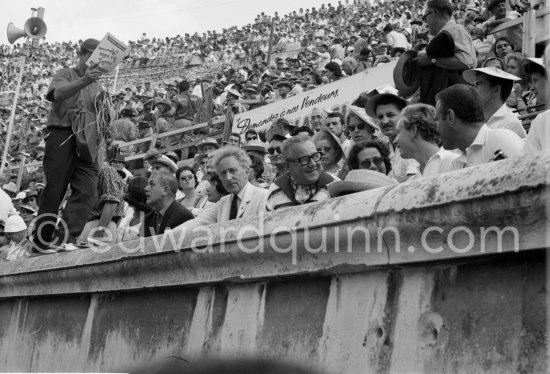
x: 270, y: 41
x: 12, y: 115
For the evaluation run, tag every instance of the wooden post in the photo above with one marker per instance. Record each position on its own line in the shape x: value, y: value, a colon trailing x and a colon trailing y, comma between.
x: 21, y: 169
x: 270, y: 41
x: 12, y: 114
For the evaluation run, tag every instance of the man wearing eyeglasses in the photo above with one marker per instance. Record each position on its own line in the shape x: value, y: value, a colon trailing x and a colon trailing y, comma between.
x: 305, y: 181
x: 449, y: 53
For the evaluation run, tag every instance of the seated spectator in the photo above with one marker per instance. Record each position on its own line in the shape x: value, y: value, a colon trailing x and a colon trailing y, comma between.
x: 305, y: 181
x: 361, y: 127
x: 417, y: 138
x: 460, y: 120
x: 187, y: 194
x: 372, y: 155
x: 15, y: 230
x: 335, y: 124
x: 160, y: 162
x: 503, y: 47
x: 208, y: 146
x: 317, y: 119
x: 215, y: 189
x: 256, y: 170
x: 540, y: 88
x: 245, y: 200
x: 538, y: 138
x: 166, y: 212
x: 333, y: 71
x: 276, y: 155
x: 250, y: 135
x: 494, y: 87
x: 234, y: 139
x: 130, y: 226
x: 514, y: 63
x: 386, y: 109
x: 348, y: 65
x: 330, y: 148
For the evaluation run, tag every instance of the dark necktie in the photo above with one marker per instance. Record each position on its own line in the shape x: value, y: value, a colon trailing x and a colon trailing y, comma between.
x: 233, y: 211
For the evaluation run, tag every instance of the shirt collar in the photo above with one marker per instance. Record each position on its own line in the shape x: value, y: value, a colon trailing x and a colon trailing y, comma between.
x: 481, y: 137
x: 243, y: 191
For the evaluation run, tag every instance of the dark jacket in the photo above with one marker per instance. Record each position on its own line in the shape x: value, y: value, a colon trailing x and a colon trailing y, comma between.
x: 175, y: 215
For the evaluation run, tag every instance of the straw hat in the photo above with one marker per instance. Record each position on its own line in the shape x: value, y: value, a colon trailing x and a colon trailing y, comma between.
x: 359, y: 180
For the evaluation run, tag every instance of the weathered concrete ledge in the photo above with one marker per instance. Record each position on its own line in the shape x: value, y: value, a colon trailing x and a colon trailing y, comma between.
x: 388, y: 305
x: 513, y: 193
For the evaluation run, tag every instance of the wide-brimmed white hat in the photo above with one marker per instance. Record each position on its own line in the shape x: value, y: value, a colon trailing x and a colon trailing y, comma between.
x: 14, y: 223
x: 359, y: 180
x: 470, y: 75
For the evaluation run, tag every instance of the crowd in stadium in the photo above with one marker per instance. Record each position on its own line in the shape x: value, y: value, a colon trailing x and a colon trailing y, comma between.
x: 479, y: 99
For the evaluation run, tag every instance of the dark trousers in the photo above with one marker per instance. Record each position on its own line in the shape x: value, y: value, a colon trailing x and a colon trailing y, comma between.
x: 62, y: 167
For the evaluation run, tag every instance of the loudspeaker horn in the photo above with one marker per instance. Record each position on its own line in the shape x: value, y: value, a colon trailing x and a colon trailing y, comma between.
x: 35, y: 28
x: 14, y: 33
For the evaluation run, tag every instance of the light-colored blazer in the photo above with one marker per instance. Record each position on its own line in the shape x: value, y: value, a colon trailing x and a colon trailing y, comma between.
x: 253, y: 202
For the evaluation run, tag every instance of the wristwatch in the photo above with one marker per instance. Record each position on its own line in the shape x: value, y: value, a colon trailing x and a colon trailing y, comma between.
x: 434, y: 60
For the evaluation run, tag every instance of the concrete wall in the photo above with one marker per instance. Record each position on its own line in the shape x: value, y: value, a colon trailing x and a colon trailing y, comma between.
x: 384, y: 306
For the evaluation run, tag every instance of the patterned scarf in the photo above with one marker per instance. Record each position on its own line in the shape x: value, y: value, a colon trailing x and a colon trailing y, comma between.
x: 303, y: 193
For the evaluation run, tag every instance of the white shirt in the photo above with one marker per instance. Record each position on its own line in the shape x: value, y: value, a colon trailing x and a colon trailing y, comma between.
x: 401, y: 168
x: 504, y: 118
x: 485, y: 144
x: 538, y: 138
x: 397, y: 40
x: 441, y: 162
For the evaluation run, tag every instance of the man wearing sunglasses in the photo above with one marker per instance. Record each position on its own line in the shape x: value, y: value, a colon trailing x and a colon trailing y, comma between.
x: 305, y: 181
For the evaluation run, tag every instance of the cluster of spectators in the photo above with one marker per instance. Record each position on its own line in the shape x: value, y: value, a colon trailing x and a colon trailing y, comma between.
x: 465, y: 110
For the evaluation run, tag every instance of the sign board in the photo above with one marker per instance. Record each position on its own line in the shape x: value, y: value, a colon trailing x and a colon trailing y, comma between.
x: 333, y: 96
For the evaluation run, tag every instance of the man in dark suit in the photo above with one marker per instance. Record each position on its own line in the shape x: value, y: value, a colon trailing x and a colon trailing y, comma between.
x: 161, y: 197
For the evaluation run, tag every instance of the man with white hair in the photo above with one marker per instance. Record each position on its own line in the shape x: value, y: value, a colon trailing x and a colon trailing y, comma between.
x: 232, y: 164
x: 317, y: 119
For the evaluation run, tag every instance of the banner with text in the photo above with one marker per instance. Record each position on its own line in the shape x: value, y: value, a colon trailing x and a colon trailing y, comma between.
x: 333, y: 96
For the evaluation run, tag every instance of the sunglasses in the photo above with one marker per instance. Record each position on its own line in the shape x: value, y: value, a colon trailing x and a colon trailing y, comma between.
x: 305, y: 160
x: 272, y: 151
x: 366, y: 164
x: 251, y: 138
x: 360, y: 126
x: 187, y: 177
